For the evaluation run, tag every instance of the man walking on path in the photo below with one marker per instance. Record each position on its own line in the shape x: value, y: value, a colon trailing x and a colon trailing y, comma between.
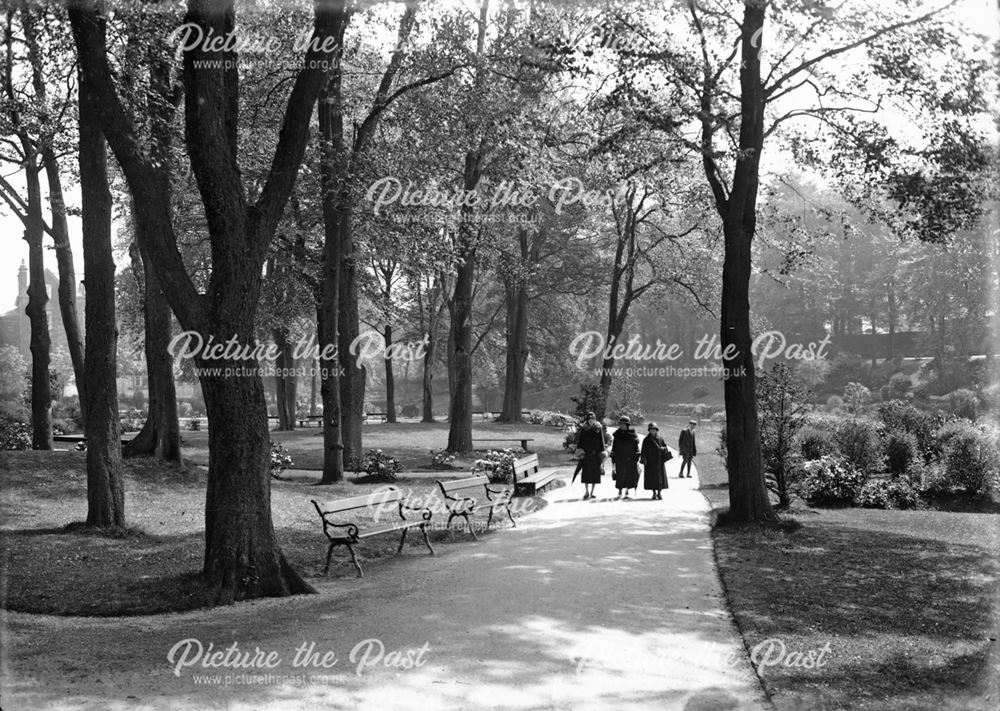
x: 687, y: 448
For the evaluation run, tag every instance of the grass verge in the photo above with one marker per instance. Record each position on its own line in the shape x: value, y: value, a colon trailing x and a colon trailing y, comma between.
x: 50, y: 564
x: 904, y: 602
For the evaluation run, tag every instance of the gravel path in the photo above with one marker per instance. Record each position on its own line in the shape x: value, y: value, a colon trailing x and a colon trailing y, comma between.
x: 597, y: 604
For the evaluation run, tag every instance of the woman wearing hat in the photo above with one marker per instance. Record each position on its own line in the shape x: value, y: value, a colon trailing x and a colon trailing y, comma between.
x: 590, y: 445
x: 654, y: 455
x: 625, y: 456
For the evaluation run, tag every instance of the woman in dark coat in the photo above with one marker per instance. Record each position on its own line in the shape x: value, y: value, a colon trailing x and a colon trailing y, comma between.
x: 590, y: 442
x: 654, y: 455
x: 625, y: 456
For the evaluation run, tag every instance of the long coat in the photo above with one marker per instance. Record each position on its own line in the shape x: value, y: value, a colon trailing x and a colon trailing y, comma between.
x: 686, y: 444
x: 625, y: 455
x: 654, y: 456
x: 590, y: 438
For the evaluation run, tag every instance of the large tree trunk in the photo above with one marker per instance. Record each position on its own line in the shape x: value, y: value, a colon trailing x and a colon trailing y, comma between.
x: 390, y: 382
x: 105, y: 489
x: 460, y: 410
x: 67, y: 273
x: 242, y: 556
x: 41, y: 392
x: 517, y: 351
x: 328, y: 312
x: 160, y: 435
x: 748, y: 498
x: 284, y: 391
x: 352, y: 380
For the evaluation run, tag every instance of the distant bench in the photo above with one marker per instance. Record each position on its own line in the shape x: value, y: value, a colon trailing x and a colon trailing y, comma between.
x: 318, y: 419
x: 383, y: 416
x: 332, y: 513
x: 463, y: 497
x: 527, y: 479
x: 523, y: 440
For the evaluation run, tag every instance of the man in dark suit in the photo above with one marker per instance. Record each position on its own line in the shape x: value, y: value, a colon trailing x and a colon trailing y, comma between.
x: 687, y: 447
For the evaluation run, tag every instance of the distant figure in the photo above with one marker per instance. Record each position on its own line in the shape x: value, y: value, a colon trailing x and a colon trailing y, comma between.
x: 625, y: 456
x: 687, y: 448
x: 590, y: 443
x: 654, y: 455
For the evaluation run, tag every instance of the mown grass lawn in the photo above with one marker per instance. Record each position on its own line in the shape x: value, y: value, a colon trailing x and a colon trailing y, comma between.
x: 153, y: 566
x: 410, y: 442
x: 908, y: 602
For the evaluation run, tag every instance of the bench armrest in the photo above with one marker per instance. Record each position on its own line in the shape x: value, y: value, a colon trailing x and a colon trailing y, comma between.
x: 504, y: 492
x: 352, y: 530
x: 425, y: 513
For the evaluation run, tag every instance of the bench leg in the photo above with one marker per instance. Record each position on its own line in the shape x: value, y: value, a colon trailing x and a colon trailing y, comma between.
x: 329, y: 552
x: 468, y: 522
x: 402, y: 540
x: 354, y: 559
x: 423, y: 530
x: 489, y: 519
x: 511, y: 517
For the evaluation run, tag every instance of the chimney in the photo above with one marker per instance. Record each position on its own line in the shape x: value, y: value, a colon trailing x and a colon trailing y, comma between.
x: 22, y: 285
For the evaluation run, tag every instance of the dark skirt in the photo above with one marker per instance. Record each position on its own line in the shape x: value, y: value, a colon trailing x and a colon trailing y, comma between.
x: 654, y: 475
x: 626, y: 473
x: 593, y: 468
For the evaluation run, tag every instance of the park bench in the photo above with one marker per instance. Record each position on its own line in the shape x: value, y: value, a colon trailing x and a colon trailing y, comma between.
x: 527, y: 479
x: 523, y: 440
x: 460, y: 499
x: 383, y: 416
x: 318, y: 419
x: 342, y: 529
x: 79, y: 438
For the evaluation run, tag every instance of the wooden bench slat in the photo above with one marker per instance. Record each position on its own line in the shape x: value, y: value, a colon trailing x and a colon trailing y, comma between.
x: 376, y: 498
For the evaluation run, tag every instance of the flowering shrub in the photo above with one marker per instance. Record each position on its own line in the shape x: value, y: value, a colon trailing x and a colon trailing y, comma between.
x: 377, y: 465
x: 280, y: 459
x: 830, y: 480
x: 499, y: 464
x: 882, y: 494
x: 441, y: 458
x: 15, y: 435
x: 964, y: 403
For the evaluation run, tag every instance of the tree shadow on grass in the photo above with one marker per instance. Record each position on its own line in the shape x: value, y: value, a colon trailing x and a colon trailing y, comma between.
x: 904, y: 615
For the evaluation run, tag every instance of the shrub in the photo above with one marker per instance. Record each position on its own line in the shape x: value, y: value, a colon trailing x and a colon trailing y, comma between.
x: 921, y: 392
x: 934, y: 480
x: 902, y: 494
x: 901, y: 449
x: 858, y: 441
x: 503, y: 471
x: 781, y: 398
x: 884, y: 393
x: 899, y: 385
x: 834, y: 403
x: 377, y: 465
x: 815, y: 442
x: 900, y: 416
x: 699, y: 391
x: 194, y: 424
x: 441, y: 459
x: 856, y: 396
x: 882, y: 494
x: 14, y: 435
x: 184, y: 409
x: 972, y: 460
x: 830, y: 480
x: 873, y: 495
x: 280, y: 459
x: 963, y: 403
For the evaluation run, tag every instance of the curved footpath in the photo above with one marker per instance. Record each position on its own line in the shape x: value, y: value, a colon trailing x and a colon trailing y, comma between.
x: 598, y: 604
